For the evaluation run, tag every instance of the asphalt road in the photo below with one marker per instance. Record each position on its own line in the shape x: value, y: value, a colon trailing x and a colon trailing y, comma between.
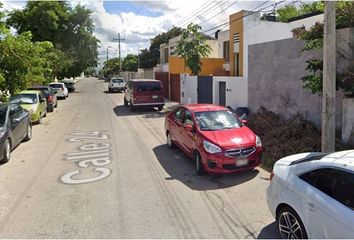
x: 94, y: 169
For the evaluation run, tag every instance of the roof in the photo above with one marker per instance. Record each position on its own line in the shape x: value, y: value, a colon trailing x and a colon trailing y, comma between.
x: 204, y: 107
x: 145, y: 80
x: 30, y: 92
x: 343, y: 159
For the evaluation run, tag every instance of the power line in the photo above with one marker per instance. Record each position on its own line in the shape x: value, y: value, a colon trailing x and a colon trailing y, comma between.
x: 204, y: 12
x: 252, y: 12
x: 222, y: 10
x: 192, y: 14
x: 188, y: 16
x: 163, y: 8
x: 141, y: 7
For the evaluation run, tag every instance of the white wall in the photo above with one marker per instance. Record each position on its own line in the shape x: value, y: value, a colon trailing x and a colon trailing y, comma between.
x: 222, y: 37
x: 165, y: 67
x: 348, y: 121
x: 260, y: 32
x: 189, y: 85
x: 236, y: 91
x: 214, y: 53
x: 307, y: 22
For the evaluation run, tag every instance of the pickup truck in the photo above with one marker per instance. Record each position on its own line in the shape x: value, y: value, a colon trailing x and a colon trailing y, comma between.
x: 116, y: 84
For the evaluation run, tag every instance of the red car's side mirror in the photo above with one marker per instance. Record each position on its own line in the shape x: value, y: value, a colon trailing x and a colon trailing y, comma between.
x: 244, y: 121
x: 188, y: 128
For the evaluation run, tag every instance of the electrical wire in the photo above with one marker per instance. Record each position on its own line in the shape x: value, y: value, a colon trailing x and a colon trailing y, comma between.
x: 207, y: 11
x: 203, y: 11
x: 222, y: 10
x: 193, y: 13
x: 252, y: 12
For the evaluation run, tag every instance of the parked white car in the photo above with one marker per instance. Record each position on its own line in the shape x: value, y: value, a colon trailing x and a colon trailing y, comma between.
x: 311, y: 195
x: 116, y: 84
x: 61, y: 89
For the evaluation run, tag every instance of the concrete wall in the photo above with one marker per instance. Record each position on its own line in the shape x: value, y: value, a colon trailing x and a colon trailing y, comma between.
x: 348, y: 121
x: 129, y: 75
x: 276, y: 69
x: 189, y: 85
x: 210, y: 66
x: 236, y: 91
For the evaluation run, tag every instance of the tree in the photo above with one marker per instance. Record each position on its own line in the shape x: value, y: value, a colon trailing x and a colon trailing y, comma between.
x: 150, y: 57
x: 111, y: 67
x: 192, y: 47
x: 284, y: 14
x: 314, y: 41
x: 23, y: 62
x: 130, y: 63
x: 69, y: 29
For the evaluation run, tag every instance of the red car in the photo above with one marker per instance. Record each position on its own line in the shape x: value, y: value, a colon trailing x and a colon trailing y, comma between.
x: 214, y: 137
x: 144, y: 93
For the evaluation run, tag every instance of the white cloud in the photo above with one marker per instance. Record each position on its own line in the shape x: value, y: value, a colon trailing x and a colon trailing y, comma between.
x: 12, y: 5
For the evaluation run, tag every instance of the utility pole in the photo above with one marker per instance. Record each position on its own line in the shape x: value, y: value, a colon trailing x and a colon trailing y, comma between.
x: 329, y: 78
x: 107, y: 54
x: 138, y: 58
x: 119, y: 39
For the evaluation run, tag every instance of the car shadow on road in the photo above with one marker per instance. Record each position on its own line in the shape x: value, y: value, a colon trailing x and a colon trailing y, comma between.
x: 122, y: 111
x: 269, y: 232
x: 180, y: 167
x: 114, y: 92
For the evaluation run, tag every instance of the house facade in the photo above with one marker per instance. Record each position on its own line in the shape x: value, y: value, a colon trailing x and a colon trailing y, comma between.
x: 247, y: 28
x: 168, y: 50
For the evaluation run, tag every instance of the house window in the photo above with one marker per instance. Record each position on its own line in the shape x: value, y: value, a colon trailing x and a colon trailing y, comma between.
x: 237, y: 64
x: 236, y: 38
x: 226, y: 51
x: 165, y: 55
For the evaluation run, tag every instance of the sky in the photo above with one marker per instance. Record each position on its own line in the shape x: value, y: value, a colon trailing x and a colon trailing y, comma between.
x: 139, y: 21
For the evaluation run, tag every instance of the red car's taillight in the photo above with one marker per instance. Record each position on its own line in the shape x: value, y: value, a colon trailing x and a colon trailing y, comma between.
x: 271, y: 176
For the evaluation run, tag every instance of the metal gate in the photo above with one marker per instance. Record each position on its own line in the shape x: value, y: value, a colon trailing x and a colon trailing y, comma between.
x: 205, y: 89
x: 175, y: 87
x: 222, y: 94
x: 163, y: 77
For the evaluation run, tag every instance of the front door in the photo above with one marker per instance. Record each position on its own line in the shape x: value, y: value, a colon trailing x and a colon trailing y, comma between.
x: 205, y: 89
x: 222, y: 94
x: 187, y: 138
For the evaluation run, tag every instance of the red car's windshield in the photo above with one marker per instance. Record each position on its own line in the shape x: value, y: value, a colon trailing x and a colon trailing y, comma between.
x: 217, y: 120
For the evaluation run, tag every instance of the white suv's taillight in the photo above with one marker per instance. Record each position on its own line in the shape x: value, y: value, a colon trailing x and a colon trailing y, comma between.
x: 271, y: 176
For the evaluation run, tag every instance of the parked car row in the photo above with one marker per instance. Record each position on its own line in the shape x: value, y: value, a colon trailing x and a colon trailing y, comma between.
x: 310, y: 194
x: 24, y: 109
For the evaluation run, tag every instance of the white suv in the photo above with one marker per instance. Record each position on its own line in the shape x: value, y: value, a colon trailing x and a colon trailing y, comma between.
x: 61, y: 89
x: 116, y: 84
x: 311, y: 195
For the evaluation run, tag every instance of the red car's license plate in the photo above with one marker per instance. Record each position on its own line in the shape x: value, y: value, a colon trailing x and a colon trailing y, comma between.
x: 241, y: 162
